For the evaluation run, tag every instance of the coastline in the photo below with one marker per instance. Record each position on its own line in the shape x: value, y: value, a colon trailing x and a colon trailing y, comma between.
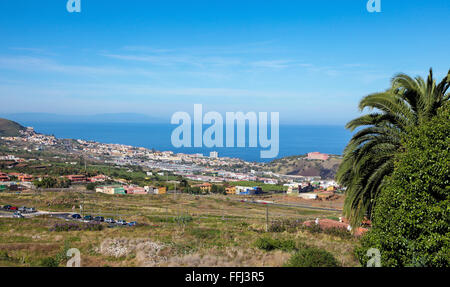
x: 294, y: 139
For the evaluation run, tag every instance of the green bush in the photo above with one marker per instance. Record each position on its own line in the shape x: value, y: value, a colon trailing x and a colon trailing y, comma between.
x: 335, y: 231
x: 411, y: 223
x: 285, y: 225
x: 183, y: 219
x: 339, y: 232
x: 312, y: 257
x: 4, y: 255
x: 91, y: 186
x: 268, y: 244
x: 203, y: 234
x: 49, y: 262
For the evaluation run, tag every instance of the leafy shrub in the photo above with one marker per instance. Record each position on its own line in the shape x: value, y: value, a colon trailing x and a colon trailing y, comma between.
x: 49, y: 262
x: 285, y: 225
x: 160, y: 219
x: 315, y: 228
x: 60, y: 257
x: 265, y: 243
x: 201, y: 233
x: 243, y: 224
x: 411, y: 218
x: 268, y: 244
x: 183, y: 219
x: 65, y: 227
x: 72, y: 226
x: 91, y: 186
x: 312, y: 257
x: 4, y: 255
x: 340, y: 232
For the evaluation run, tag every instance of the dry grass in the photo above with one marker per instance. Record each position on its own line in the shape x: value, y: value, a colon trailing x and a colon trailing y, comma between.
x: 222, y: 232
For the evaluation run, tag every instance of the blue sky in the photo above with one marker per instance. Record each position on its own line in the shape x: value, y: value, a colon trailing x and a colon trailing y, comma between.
x: 309, y: 60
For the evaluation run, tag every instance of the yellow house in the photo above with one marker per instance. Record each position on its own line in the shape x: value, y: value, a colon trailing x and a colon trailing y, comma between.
x: 230, y: 190
x: 162, y: 190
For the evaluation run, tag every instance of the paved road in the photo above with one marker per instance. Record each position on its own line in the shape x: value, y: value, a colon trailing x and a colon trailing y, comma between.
x: 10, y: 214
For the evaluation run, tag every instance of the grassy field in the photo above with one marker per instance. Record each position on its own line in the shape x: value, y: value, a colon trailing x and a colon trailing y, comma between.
x: 173, y: 230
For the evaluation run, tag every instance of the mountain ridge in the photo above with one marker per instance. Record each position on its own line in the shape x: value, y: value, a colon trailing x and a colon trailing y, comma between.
x: 10, y: 128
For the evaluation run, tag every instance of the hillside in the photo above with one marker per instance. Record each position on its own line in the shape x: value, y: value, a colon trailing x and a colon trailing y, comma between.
x: 9, y: 128
x: 299, y: 165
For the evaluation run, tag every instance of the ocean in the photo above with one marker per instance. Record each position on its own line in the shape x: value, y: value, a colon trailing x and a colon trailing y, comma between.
x: 294, y: 139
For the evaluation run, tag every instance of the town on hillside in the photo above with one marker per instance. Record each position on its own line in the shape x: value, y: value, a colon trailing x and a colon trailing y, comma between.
x: 43, y: 156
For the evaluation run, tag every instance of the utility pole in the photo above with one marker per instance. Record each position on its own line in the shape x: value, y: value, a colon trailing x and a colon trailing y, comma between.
x: 267, y: 218
x: 175, y: 192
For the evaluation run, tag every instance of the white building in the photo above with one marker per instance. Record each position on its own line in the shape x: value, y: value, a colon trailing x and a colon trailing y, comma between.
x: 214, y: 154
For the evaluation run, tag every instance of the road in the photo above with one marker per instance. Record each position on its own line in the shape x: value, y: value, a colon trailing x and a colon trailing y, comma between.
x: 10, y: 214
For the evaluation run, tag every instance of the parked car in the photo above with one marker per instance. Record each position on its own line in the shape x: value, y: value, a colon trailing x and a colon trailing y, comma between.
x: 7, y: 207
x: 99, y: 218
x: 17, y: 215
x: 121, y: 222
x: 132, y: 223
x: 110, y: 220
x: 76, y: 216
x: 88, y: 217
x: 14, y: 208
x: 22, y: 208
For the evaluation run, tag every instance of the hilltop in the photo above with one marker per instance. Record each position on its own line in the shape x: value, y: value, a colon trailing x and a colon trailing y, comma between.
x: 9, y: 128
x: 299, y: 165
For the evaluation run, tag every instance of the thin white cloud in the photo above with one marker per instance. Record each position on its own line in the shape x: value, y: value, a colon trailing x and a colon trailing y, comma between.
x: 35, y: 64
x: 165, y: 60
x: 274, y: 64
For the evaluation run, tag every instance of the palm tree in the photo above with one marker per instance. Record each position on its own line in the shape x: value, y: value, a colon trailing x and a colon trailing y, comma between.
x: 369, y: 156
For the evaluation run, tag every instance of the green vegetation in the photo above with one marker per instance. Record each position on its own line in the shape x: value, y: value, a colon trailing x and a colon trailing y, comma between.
x: 285, y: 225
x: 335, y: 231
x: 191, y: 230
x: 303, y: 256
x: 52, y: 182
x: 269, y: 244
x: 312, y: 257
x: 370, y: 154
x: 59, y: 258
x: 9, y: 128
x: 411, y: 224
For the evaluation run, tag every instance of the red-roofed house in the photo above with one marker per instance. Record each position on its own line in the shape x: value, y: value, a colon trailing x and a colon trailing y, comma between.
x: 135, y: 190
x: 77, y: 178
x: 4, y: 177
x: 98, y: 178
x: 25, y: 178
x: 318, y: 155
x: 329, y: 224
